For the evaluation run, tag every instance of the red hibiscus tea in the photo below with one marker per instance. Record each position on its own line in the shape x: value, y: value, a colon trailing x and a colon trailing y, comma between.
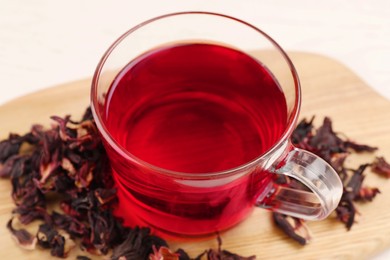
x: 195, y: 109
x: 197, y: 128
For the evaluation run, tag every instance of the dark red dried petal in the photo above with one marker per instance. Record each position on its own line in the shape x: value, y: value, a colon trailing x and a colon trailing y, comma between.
x: 381, y: 166
x: 367, y: 194
x: 51, y: 142
x: 231, y: 256
x: 70, y: 224
x: 326, y: 140
x: 302, y: 131
x: 137, y: 245
x: 337, y: 161
x: 24, y: 238
x: 9, y: 147
x: 163, y: 253
x: 87, y: 114
x: 66, y: 133
x: 346, y: 213
x: 352, y: 188
x: 292, y: 227
x: 105, y: 196
x: 29, y: 214
x: 10, y: 167
x: 182, y: 254
x: 46, y: 234
x: 14, y: 167
x: 54, y: 161
x: 59, y: 243
x: 82, y: 257
x: 359, y: 147
x: 84, y: 175
x: 218, y: 254
x: 27, y: 195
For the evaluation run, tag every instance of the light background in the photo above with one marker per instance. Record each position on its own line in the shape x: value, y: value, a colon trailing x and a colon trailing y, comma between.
x: 49, y: 42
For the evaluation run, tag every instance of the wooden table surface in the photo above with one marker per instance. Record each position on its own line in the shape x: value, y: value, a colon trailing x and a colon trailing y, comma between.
x: 329, y: 89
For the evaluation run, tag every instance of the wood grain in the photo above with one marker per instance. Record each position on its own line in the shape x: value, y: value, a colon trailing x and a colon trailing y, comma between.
x: 329, y: 89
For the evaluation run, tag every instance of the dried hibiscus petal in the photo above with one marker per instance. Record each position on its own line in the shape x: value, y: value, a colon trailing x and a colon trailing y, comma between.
x: 85, y: 175
x: 219, y: 254
x: 182, y: 254
x: 381, y: 166
x: 28, y: 214
x: 12, y: 166
x: 163, y: 253
x: 335, y: 149
x: 82, y: 257
x: 24, y: 238
x: 60, y: 243
x: 62, y: 164
x: 137, y: 245
x: 353, y: 186
x: 105, y: 195
x: 302, y: 131
x: 346, y: 212
x: 293, y: 227
x: 65, y: 132
x: 367, y: 194
x: 70, y: 224
x: 9, y: 147
x: 103, y: 226
x: 326, y: 141
x: 359, y: 147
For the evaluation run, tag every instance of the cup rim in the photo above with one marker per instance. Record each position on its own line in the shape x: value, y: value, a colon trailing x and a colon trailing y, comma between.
x: 194, y: 175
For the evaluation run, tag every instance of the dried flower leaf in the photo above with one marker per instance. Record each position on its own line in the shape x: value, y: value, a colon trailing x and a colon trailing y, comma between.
x: 326, y: 142
x: 346, y: 210
x: 85, y: 175
x: 9, y: 167
x: 367, y: 194
x: 137, y: 245
x: 335, y: 149
x: 82, y: 257
x: 69, y: 160
x: 68, y: 166
x: 353, y: 186
x: 346, y: 213
x: 59, y: 242
x: 359, y: 147
x: 303, y: 131
x: 163, y: 253
x: 24, y: 238
x: 219, y: 254
x: 381, y: 166
x: 27, y: 214
x: 9, y: 147
x: 182, y: 254
x: 105, y: 195
x: 293, y: 227
x: 70, y: 224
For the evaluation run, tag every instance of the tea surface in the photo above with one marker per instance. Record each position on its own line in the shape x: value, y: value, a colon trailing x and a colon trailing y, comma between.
x: 195, y: 108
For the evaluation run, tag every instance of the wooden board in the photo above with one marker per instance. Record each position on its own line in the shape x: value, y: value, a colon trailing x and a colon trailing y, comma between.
x: 329, y: 89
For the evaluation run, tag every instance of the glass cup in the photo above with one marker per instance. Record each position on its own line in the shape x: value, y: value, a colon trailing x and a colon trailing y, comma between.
x: 176, y: 203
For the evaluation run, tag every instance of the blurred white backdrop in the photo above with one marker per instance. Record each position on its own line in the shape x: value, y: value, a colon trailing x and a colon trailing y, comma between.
x: 46, y: 42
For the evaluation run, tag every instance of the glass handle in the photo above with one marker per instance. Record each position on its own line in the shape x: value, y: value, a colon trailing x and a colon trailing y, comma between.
x: 318, y: 201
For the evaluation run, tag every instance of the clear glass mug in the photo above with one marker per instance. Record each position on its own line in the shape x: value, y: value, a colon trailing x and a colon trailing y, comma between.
x: 185, y: 203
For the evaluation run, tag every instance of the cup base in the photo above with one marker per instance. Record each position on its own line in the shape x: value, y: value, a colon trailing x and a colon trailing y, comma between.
x: 179, y: 234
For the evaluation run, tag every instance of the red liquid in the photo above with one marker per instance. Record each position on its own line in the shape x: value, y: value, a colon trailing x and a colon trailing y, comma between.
x: 193, y: 108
